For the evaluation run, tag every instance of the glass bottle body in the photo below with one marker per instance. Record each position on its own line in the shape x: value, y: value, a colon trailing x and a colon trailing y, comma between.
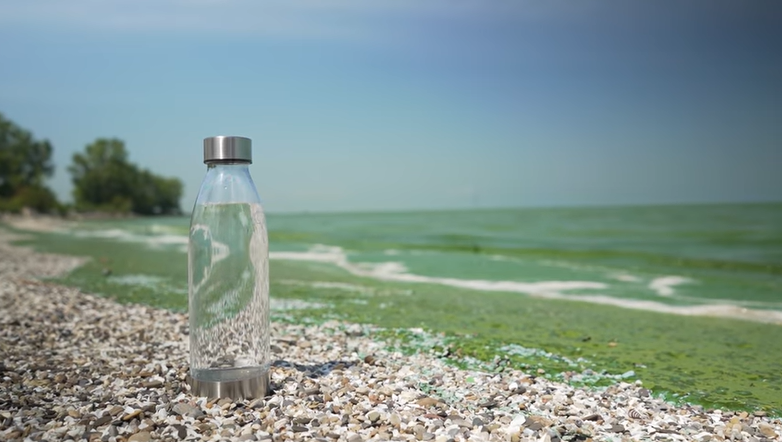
x: 228, y: 272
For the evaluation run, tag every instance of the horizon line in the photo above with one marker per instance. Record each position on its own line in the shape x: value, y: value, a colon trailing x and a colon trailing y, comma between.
x: 529, y: 207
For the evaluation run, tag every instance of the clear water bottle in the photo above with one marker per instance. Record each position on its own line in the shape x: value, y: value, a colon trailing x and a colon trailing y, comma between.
x: 228, y: 277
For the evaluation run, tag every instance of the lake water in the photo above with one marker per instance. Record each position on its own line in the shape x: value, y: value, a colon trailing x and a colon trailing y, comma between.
x: 694, y: 260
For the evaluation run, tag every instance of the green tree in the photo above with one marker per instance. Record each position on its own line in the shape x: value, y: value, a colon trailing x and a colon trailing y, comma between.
x: 169, y: 191
x: 24, y: 165
x: 102, y: 177
x: 105, y: 180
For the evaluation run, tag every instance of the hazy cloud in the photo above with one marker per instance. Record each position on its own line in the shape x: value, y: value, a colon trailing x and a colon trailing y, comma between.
x: 288, y: 18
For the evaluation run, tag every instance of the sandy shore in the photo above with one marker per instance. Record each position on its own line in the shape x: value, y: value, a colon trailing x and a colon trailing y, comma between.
x: 80, y: 367
x: 42, y: 223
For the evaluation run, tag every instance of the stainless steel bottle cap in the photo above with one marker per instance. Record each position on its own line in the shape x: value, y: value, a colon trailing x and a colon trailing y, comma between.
x: 228, y: 149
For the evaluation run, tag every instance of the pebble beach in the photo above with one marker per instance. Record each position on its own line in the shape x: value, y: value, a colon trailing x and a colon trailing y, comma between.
x: 75, y: 366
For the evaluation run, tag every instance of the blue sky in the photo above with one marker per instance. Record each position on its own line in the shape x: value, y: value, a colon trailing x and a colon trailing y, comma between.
x: 407, y: 104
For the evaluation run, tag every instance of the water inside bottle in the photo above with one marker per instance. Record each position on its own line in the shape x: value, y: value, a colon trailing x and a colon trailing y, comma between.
x: 229, y: 291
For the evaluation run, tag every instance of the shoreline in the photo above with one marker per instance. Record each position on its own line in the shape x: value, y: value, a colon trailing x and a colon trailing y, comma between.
x: 37, y: 223
x: 84, y: 367
x: 51, y: 223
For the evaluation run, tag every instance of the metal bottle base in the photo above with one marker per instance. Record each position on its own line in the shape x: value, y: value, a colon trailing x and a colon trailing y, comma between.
x: 250, y: 388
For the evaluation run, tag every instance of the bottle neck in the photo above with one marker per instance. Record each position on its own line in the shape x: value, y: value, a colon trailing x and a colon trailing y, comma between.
x: 227, y: 164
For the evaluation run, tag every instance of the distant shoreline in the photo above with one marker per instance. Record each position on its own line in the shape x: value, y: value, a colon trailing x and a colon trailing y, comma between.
x: 598, y: 206
x: 52, y: 223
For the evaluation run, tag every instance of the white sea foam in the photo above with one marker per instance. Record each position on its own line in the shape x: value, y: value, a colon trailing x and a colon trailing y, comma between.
x: 108, y: 233
x: 624, y: 277
x: 149, y: 281
x: 355, y: 288
x: 281, y: 304
x: 142, y: 280
x: 395, y: 271
x: 715, y: 310
x: 166, y: 229
x: 664, y: 285
x: 328, y: 285
x: 579, y: 266
x: 341, y: 286
x: 502, y: 258
x: 127, y: 236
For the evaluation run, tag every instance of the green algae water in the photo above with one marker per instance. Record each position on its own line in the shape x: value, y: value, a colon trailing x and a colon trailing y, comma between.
x: 686, y: 299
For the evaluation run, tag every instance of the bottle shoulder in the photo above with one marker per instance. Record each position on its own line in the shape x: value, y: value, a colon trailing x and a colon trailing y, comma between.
x: 228, y: 185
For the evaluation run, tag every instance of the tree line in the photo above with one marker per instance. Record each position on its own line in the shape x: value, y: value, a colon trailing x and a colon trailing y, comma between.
x: 104, y: 179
